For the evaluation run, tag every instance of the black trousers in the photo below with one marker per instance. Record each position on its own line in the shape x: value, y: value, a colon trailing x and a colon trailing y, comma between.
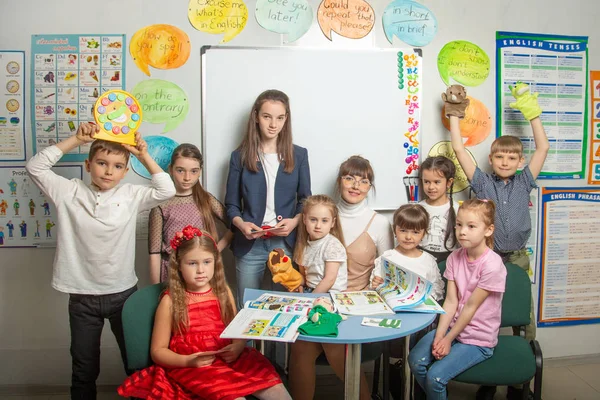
x: 86, y: 317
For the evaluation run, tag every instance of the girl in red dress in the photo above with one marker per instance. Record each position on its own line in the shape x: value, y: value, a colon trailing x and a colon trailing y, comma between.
x: 192, y: 361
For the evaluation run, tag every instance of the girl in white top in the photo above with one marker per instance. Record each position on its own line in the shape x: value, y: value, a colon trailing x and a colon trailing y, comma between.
x: 367, y: 233
x: 320, y: 252
x: 321, y: 255
x: 437, y: 178
x: 410, y: 225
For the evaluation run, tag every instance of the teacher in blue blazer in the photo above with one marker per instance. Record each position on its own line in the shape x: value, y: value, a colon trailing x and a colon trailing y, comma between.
x: 268, y: 178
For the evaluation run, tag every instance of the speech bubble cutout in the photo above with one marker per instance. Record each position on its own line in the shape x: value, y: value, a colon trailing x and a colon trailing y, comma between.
x: 160, y: 149
x: 293, y: 17
x: 162, y: 102
x: 409, y: 21
x: 476, y: 125
x: 216, y: 17
x: 444, y: 148
x: 160, y: 46
x: 463, y: 61
x: 353, y: 19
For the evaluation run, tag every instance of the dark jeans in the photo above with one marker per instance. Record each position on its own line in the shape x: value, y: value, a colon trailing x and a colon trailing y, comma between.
x: 86, y: 317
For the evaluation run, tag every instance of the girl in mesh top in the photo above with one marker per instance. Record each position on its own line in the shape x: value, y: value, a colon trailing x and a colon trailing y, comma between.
x: 192, y: 205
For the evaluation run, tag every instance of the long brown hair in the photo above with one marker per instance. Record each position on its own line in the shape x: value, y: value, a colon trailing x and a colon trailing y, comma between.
x: 177, y: 288
x: 446, y: 168
x: 201, y: 196
x: 302, y: 238
x: 486, y: 209
x: 250, y: 147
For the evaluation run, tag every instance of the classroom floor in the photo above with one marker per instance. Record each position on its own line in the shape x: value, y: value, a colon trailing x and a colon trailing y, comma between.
x: 564, y: 379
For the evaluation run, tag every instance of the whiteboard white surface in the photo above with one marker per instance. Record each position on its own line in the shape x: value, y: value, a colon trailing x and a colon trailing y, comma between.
x: 343, y: 102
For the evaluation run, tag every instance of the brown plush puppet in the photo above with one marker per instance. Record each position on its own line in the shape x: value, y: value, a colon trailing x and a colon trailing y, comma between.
x: 456, y: 101
x: 283, y: 271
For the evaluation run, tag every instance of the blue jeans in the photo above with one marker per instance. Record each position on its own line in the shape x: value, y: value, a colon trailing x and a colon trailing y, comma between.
x: 250, y: 268
x: 433, y: 375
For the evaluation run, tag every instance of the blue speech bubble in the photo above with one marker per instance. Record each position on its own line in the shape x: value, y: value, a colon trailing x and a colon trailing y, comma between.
x: 293, y: 17
x: 409, y: 21
x: 160, y: 149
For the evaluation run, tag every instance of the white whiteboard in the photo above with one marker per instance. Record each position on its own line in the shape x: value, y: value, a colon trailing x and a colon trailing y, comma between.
x: 343, y: 102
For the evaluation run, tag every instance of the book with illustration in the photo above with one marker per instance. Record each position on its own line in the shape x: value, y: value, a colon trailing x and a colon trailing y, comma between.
x: 273, y: 317
x: 401, y: 290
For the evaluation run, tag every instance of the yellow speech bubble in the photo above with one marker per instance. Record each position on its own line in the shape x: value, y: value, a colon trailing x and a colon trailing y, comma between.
x: 218, y: 16
x: 161, y: 46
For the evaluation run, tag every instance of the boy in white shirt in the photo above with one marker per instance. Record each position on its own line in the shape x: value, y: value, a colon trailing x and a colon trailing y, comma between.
x: 95, y: 250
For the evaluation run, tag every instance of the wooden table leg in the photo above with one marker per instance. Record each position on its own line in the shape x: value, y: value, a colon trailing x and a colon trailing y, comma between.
x: 352, y: 372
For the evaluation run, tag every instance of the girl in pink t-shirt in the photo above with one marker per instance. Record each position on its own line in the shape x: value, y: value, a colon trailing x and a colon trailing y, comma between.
x: 467, y: 334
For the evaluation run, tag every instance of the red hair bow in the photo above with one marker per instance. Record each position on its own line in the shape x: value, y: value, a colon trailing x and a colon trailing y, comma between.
x: 186, y: 234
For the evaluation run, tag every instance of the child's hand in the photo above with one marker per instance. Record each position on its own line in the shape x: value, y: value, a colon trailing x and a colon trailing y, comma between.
x: 86, y: 131
x: 141, y: 148
x: 376, y: 282
x: 442, y: 349
x: 526, y: 102
x: 201, y: 359
x: 231, y: 352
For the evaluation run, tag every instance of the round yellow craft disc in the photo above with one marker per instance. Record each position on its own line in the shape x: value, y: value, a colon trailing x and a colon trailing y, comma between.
x: 119, y: 116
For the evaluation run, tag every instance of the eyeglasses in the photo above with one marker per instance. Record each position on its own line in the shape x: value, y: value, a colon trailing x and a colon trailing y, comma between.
x: 363, y: 184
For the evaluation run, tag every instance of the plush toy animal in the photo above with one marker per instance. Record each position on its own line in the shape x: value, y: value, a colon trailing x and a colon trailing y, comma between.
x: 283, y: 271
x: 456, y: 101
x: 526, y: 102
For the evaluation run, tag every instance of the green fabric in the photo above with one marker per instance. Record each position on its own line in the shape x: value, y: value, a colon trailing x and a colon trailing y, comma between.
x: 513, y: 362
x: 521, y: 259
x: 327, y: 324
x: 138, y: 320
x: 516, y: 302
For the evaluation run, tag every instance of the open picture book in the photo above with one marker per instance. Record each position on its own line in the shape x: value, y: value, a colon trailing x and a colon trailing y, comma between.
x: 274, y: 317
x: 401, y: 290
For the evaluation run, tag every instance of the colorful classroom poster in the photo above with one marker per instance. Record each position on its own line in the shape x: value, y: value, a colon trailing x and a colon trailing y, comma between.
x: 12, y: 105
x: 27, y: 217
x: 555, y: 67
x: 69, y: 72
x: 570, y: 257
x: 532, y: 243
x: 594, y: 171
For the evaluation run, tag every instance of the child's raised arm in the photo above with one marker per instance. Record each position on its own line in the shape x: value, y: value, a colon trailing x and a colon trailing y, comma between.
x: 39, y: 166
x: 140, y: 151
x: 161, y: 336
x: 458, y: 146
x: 331, y: 272
x: 541, y: 147
x: 527, y: 103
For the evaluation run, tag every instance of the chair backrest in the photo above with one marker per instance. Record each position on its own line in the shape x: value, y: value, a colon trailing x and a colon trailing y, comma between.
x: 138, y: 321
x: 516, y: 301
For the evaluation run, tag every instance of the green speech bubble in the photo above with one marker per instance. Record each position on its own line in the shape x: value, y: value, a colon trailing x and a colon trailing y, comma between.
x: 162, y: 102
x: 463, y: 61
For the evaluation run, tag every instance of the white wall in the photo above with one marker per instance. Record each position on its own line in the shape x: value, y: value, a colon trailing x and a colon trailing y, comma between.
x: 34, y: 332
